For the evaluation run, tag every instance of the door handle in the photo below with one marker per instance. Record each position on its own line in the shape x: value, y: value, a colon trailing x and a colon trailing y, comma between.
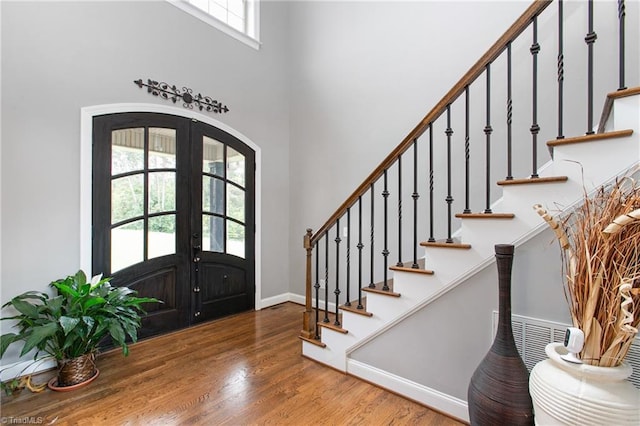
x: 196, y: 253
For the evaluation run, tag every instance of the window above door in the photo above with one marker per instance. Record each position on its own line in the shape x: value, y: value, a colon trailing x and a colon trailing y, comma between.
x: 236, y: 18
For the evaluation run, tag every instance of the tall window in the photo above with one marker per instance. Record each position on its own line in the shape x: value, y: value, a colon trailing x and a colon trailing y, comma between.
x: 237, y: 18
x: 231, y: 12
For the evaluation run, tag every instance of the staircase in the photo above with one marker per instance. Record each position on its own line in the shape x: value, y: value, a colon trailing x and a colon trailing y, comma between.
x: 353, y: 333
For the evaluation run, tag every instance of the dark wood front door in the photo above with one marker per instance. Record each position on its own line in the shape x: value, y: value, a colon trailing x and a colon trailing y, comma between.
x: 173, y: 216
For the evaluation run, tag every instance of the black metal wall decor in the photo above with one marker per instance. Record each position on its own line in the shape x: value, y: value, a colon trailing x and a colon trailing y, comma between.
x: 171, y: 92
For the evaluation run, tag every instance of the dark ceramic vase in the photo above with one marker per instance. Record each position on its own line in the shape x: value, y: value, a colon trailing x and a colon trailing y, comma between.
x: 499, y: 389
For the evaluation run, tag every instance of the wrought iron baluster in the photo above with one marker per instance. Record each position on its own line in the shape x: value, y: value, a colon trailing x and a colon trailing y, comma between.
x: 535, y: 128
x: 415, y: 197
x: 385, y: 251
x: 348, y: 297
x: 431, y: 237
x: 449, y: 199
x: 399, y: 211
x: 317, y: 287
x: 466, y: 150
x: 560, y: 69
x: 326, y: 276
x: 371, y: 283
x: 360, y: 247
x: 337, y: 289
x: 590, y: 39
x: 509, y: 116
x: 621, y: 40
x: 487, y: 131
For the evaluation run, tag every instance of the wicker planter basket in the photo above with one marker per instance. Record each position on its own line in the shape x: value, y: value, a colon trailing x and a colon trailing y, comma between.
x: 76, y: 370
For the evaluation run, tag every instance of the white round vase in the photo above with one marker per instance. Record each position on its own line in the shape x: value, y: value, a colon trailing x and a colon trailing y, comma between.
x: 565, y: 393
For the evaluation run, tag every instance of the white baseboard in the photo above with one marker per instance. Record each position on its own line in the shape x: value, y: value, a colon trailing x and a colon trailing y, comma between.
x: 447, y: 404
x: 297, y: 298
x: 291, y: 297
x: 275, y: 300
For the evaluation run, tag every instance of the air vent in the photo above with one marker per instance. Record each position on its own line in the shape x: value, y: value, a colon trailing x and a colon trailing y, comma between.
x: 532, y: 335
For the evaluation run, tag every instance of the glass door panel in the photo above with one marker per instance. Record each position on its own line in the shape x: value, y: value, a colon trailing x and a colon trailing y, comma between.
x: 235, y: 166
x: 162, y: 235
x: 235, y: 202
x: 223, y: 198
x: 235, y: 239
x: 127, y: 150
x: 212, y: 233
x: 127, y: 245
x: 143, y: 195
x: 127, y: 197
x: 162, y: 148
x: 212, y: 195
x: 212, y: 156
x: 162, y: 192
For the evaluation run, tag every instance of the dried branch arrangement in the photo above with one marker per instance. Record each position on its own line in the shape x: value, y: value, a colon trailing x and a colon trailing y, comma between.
x: 601, y: 260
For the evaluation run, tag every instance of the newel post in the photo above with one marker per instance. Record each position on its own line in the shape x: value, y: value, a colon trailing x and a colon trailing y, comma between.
x: 308, y: 325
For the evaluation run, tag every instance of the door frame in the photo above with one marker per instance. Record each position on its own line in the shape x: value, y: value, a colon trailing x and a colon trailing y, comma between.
x: 86, y: 170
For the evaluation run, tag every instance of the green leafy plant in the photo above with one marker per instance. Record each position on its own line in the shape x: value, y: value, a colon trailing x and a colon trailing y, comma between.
x: 77, y: 319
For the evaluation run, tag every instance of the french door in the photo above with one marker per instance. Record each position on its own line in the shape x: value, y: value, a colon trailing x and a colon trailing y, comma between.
x: 173, y: 216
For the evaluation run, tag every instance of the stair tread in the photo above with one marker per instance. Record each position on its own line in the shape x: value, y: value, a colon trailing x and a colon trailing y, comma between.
x: 408, y: 267
x: 378, y: 289
x: 530, y: 180
x: 485, y: 215
x: 444, y: 244
x: 331, y: 323
x: 333, y: 327
x: 630, y: 91
x: 313, y: 341
x: 354, y: 308
x: 591, y: 138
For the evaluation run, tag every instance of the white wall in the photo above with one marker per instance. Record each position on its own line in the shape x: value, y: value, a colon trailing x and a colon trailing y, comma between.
x: 363, y: 74
x: 58, y: 57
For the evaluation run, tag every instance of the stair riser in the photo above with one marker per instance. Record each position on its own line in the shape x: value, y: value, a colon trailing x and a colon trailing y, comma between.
x: 416, y: 286
x: 626, y: 113
x: 592, y: 163
x: 483, y: 233
x: 520, y: 199
x: 361, y: 325
x: 447, y: 262
x: 339, y: 342
x: 387, y: 307
x: 328, y: 355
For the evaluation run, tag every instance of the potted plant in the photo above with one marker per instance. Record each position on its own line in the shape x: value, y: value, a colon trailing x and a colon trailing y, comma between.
x: 600, y: 247
x: 70, y: 325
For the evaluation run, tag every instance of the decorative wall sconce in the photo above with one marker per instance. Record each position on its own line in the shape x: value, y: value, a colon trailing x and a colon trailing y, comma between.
x: 185, y: 95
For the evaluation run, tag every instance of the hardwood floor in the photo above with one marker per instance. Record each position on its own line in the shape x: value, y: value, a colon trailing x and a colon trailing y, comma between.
x: 243, y: 370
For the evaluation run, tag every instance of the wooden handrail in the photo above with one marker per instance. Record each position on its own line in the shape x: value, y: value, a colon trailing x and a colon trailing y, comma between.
x: 474, y: 72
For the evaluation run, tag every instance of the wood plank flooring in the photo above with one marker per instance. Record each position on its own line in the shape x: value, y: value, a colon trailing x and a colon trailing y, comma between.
x: 243, y: 370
